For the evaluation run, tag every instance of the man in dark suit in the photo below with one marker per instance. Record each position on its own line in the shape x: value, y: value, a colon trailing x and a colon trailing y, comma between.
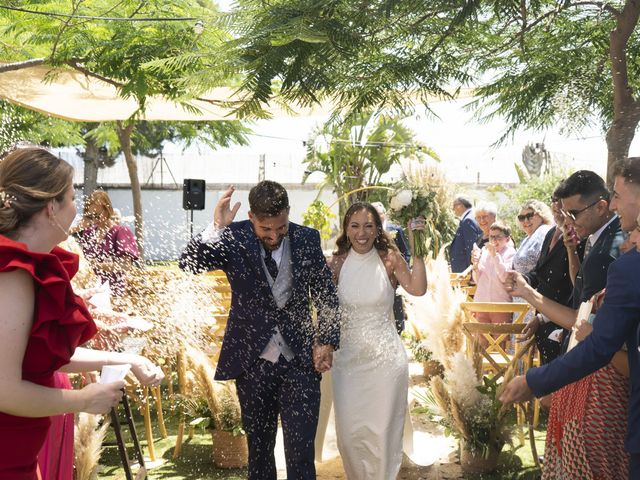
x: 585, y: 208
x: 617, y: 322
x: 466, y: 235
x: 401, y: 242
x: 271, y: 346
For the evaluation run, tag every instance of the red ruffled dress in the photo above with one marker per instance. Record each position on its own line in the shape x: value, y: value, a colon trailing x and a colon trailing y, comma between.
x: 61, y: 322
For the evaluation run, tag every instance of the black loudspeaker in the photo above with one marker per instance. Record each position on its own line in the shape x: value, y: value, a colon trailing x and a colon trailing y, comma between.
x: 193, y: 191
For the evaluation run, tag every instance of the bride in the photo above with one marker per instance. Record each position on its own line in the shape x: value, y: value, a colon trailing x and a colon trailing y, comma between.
x: 370, y: 370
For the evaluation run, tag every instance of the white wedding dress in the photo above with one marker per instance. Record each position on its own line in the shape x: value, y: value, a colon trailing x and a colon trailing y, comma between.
x: 370, y: 372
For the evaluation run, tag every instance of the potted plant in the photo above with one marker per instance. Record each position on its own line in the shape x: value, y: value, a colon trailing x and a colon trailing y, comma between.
x: 422, y: 354
x: 215, y: 406
x: 468, y: 408
x: 229, y: 438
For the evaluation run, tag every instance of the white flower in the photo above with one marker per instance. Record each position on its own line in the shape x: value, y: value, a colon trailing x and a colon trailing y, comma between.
x: 401, y: 199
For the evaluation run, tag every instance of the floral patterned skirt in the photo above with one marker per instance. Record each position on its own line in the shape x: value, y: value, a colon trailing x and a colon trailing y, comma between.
x: 587, y: 428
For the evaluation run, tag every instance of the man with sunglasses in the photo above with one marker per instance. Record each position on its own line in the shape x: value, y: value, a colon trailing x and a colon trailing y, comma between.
x: 617, y: 322
x: 585, y: 206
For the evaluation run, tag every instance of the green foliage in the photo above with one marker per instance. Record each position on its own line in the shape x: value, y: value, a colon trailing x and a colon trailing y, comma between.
x: 418, y: 348
x: 538, y: 188
x: 319, y: 216
x: 356, y: 151
x: 227, y: 418
x: 431, y: 200
x: 18, y: 124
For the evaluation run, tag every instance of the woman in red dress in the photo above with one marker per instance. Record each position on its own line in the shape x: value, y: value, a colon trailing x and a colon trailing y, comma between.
x: 42, y: 321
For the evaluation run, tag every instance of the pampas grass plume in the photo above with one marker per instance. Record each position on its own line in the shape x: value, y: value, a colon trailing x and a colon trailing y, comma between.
x: 88, y: 437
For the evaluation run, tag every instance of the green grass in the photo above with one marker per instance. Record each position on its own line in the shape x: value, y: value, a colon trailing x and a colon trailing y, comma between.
x: 195, y: 462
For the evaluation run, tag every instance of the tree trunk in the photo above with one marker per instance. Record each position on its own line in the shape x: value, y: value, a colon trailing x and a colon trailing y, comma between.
x: 124, y: 135
x: 90, y: 167
x: 626, y: 109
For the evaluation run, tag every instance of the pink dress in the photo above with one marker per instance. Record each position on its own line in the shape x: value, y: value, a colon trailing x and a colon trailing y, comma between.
x: 491, y: 274
x: 119, y: 242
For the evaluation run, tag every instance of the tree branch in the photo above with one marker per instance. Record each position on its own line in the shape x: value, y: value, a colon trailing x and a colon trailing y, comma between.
x: 9, y: 67
x: 65, y: 24
x: 619, y: 38
x: 74, y: 64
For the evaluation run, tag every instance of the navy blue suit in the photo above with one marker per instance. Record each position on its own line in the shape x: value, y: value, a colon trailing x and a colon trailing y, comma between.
x: 617, y: 321
x: 466, y: 235
x: 403, y: 246
x: 291, y: 389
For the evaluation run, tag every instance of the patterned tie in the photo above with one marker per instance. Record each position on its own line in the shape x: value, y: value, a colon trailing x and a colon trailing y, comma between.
x: 272, y: 266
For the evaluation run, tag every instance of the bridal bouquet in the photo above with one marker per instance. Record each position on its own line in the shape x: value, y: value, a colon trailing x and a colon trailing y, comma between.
x: 423, y: 192
x: 406, y: 204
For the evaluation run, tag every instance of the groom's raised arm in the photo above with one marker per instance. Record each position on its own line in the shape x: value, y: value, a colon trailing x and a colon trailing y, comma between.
x: 207, y: 251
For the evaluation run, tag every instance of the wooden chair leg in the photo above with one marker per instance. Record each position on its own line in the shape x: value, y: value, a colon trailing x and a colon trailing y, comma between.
x: 147, y: 424
x: 160, y: 415
x: 182, y: 372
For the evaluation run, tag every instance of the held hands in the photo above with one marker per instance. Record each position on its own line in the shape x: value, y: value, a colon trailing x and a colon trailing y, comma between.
x: 99, y: 398
x: 516, y: 391
x: 223, y: 214
x: 322, y: 358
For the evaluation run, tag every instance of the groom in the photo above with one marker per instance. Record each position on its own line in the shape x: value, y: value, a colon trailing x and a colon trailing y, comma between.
x: 272, y: 347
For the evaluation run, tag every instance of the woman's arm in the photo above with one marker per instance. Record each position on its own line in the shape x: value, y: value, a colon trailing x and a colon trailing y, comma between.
x: 559, y: 314
x: 414, y: 281
x: 21, y: 397
x: 87, y: 360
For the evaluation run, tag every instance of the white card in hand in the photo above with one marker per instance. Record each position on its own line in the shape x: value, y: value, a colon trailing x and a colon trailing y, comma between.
x: 583, y: 314
x: 102, y: 299
x: 114, y: 373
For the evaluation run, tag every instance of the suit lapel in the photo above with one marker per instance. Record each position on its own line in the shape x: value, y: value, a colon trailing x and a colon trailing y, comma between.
x: 296, y: 257
x: 553, y: 252
x: 252, y: 250
x: 612, y: 227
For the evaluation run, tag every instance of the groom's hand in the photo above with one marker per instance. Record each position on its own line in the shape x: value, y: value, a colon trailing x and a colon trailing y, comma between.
x: 322, y: 358
x: 223, y: 214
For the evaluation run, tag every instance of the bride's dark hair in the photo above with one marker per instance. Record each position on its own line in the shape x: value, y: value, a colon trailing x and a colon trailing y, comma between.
x: 382, y: 242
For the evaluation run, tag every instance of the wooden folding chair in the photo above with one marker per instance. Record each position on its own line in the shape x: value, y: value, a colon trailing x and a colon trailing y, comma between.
x: 490, y: 354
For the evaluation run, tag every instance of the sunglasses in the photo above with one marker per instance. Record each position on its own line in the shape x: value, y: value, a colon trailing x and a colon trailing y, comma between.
x: 526, y: 216
x: 573, y: 214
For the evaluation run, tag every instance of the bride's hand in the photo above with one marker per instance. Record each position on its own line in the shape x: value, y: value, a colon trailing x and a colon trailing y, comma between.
x: 322, y: 358
x: 417, y: 223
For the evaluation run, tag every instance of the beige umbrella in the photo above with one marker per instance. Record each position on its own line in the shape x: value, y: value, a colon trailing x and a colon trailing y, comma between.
x: 72, y: 95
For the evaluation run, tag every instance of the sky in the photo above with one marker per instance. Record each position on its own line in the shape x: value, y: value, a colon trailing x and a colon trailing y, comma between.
x: 465, y: 146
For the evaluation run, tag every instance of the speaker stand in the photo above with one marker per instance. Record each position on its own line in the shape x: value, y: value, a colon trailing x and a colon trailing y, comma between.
x: 163, y: 163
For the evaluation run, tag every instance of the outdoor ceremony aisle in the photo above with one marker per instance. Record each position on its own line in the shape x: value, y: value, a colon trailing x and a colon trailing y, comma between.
x: 436, y: 453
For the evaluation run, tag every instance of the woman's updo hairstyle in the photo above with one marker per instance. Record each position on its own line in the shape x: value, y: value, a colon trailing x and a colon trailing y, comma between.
x: 29, y: 179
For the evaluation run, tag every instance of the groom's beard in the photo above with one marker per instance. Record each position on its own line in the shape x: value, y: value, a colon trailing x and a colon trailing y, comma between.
x: 268, y: 245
